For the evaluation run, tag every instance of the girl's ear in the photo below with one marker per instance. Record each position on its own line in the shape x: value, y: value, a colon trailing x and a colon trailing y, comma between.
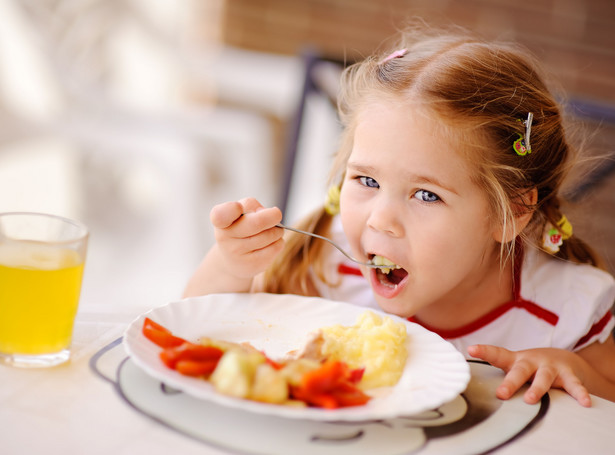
x: 524, y: 210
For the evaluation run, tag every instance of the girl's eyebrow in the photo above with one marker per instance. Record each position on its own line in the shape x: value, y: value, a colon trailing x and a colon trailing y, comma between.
x: 415, y: 178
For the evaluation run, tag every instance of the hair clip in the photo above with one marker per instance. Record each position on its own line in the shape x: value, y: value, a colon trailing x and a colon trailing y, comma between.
x: 397, y: 54
x: 332, y: 201
x: 554, y: 237
x: 522, y: 145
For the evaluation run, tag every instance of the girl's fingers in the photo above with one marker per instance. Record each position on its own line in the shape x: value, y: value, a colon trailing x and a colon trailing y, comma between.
x: 498, y: 357
x: 545, y: 368
x: 245, y: 245
x: 544, y: 378
x: 263, y: 256
x: 250, y: 263
x: 505, y: 360
x: 223, y: 215
x: 572, y: 384
x: 258, y: 222
x: 520, y: 373
x: 247, y: 217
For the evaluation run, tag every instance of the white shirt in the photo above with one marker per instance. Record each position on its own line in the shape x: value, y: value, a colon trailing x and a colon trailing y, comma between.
x: 556, y: 303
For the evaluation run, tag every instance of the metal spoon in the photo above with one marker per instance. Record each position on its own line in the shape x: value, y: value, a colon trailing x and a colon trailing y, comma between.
x: 367, y: 264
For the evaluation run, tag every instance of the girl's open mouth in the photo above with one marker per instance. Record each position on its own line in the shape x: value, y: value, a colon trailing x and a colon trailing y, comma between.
x: 388, y: 276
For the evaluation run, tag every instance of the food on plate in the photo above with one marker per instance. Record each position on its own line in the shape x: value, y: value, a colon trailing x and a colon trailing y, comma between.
x: 374, y: 343
x: 240, y: 370
x: 334, y: 368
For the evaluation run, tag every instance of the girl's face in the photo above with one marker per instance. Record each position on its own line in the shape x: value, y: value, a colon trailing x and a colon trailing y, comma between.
x: 408, y: 196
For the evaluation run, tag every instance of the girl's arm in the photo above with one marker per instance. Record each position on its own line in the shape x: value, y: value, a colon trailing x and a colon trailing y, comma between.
x: 590, y: 370
x: 247, y: 241
x: 601, y: 356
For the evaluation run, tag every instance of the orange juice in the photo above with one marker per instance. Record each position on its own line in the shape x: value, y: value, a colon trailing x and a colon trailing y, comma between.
x: 39, y: 294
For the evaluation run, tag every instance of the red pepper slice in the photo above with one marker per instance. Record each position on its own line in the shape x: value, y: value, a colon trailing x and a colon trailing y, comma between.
x: 190, y: 352
x: 331, y: 386
x: 160, y: 335
x: 196, y: 367
x: 347, y: 394
x: 325, y: 378
x: 323, y: 400
x: 356, y: 375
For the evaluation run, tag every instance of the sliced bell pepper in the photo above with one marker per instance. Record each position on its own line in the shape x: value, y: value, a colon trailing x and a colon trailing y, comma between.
x: 331, y: 386
x: 356, y: 375
x: 160, y: 335
x: 190, y: 352
x: 196, y: 367
x: 349, y: 395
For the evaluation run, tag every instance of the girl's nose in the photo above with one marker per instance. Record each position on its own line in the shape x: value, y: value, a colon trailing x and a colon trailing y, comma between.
x: 384, y: 217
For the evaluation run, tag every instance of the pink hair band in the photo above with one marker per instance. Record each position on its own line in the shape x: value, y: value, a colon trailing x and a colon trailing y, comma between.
x: 397, y: 54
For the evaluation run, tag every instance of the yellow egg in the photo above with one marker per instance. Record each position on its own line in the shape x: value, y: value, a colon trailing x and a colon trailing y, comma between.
x: 375, y: 343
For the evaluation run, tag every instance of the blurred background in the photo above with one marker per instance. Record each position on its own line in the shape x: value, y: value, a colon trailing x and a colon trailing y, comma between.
x: 137, y: 116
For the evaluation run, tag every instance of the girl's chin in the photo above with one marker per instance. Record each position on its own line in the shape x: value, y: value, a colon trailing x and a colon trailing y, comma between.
x: 396, y: 307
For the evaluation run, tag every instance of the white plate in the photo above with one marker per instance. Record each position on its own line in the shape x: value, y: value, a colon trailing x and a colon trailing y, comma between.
x: 435, y: 372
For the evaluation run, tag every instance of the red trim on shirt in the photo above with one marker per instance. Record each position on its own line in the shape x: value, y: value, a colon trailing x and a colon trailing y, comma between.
x: 344, y: 269
x: 516, y: 302
x: 595, y: 329
x: 538, y: 311
x: 530, y: 307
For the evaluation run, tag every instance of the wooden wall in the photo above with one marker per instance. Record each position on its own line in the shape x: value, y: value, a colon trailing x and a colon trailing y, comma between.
x: 575, y: 38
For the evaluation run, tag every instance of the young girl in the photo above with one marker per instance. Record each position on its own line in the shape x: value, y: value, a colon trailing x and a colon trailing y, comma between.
x: 451, y: 161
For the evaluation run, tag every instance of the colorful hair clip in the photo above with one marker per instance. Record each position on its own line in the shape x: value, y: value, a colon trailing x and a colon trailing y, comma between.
x: 522, y: 145
x: 332, y: 201
x: 554, y: 237
x: 397, y: 54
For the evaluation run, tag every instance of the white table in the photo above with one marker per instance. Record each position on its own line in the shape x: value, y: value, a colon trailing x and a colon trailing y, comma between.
x: 73, y: 409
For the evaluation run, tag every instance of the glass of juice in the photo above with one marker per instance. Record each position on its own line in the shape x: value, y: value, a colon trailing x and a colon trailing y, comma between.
x: 41, y: 268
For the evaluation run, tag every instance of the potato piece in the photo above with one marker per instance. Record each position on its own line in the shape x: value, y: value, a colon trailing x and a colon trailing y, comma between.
x: 235, y: 372
x: 269, y: 385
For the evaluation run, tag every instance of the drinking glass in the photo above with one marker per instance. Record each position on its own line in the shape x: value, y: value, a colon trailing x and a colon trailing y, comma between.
x: 41, y: 267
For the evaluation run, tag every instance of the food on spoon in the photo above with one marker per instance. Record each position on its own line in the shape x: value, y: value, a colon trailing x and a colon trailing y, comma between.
x: 391, y: 275
x: 381, y: 260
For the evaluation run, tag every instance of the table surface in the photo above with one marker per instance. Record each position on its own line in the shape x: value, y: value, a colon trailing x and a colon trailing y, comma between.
x: 91, y: 405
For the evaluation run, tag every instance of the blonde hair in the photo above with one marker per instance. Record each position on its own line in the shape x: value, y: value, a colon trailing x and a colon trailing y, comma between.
x: 480, y: 92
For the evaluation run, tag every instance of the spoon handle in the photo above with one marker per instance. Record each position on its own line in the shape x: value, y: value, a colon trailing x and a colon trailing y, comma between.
x: 340, y: 249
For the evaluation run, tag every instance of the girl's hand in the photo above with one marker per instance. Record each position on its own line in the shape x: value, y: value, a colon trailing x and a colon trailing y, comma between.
x: 544, y: 367
x: 246, y: 236
x: 247, y: 242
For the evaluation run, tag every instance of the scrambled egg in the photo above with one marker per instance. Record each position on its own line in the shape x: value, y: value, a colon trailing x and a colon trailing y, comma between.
x: 381, y: 260
x: 376, y: 343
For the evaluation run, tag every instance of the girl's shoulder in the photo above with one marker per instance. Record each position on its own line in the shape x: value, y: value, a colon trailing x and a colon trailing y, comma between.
x: 582, y: 296
x: 547, y: 275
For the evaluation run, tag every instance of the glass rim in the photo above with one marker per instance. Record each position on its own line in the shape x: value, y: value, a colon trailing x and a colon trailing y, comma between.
x: 84, y: 231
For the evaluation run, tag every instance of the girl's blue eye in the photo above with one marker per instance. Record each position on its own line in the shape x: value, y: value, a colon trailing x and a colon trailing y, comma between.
x: 369, y: 182
x: 426, y: 196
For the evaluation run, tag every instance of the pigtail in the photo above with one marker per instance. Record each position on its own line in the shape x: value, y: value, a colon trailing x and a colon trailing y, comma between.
x: 290, y: 273
x: 572, y: 248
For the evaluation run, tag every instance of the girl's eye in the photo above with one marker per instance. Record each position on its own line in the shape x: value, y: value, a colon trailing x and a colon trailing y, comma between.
x: 426, y: 196
x: 369, y: 182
